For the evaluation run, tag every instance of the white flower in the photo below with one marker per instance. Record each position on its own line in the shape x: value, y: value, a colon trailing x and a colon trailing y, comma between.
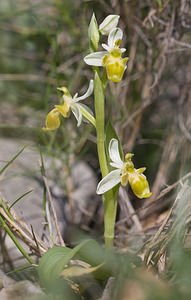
x: 69, y: 104
x: 111, y: 58
x: 109, y: 23
x: 95, y: 58
x: 124, y: 172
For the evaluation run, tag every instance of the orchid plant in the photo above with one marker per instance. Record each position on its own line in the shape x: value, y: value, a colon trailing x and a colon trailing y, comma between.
x: 123, y: 169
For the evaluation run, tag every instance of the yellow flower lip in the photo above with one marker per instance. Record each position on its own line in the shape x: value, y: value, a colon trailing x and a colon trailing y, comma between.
x: 115, y: 66
x: 139, y: 184
x: 52, y: 120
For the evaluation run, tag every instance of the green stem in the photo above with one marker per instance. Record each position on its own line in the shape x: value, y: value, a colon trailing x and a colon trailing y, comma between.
x: 109, y: 201
x: 18, y: 245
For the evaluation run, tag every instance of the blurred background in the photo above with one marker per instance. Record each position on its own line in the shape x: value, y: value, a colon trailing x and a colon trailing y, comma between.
x: 42, y: 45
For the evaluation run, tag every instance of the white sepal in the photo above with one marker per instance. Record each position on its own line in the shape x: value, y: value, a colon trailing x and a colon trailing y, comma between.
x: 109, y: 23
x: 87, y: 108
x: 115, y: 154
x: 115, y: 34
x: 88, y: 93
x: 77, y: 113
x: 95, y: 58
x: 109, y: 181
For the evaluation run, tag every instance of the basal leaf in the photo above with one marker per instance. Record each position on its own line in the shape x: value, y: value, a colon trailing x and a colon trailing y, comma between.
x: 56, y: 259
x: 48, y: 262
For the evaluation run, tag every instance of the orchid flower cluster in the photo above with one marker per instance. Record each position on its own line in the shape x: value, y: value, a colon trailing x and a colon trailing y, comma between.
x: 114, y: 67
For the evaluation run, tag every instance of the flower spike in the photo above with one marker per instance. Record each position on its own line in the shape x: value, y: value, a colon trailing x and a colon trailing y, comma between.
x: 124, y: 172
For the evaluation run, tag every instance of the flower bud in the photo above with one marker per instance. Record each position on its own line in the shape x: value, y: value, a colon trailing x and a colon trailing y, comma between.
x: 93, y: 34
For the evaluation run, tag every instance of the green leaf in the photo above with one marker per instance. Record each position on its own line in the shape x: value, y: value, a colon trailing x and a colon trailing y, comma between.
x: 48, y: 262
x: 93, y: 34
x: 56, y: 259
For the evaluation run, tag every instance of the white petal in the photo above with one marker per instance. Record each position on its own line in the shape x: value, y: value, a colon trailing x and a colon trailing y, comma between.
x: 77, y: 113
x: 106, y: 47
x: 115, y: 34
x: 114, y: 152
x: 123, y: 50
x: 108, y: 24
x: 108, y: 182
x: 95, y: 58
x: 88, y: 93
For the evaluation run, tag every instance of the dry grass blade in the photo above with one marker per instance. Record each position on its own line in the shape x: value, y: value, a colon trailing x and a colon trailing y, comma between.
x: 22, y: 235
x: 172, y: 224
x: 50, y: 201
